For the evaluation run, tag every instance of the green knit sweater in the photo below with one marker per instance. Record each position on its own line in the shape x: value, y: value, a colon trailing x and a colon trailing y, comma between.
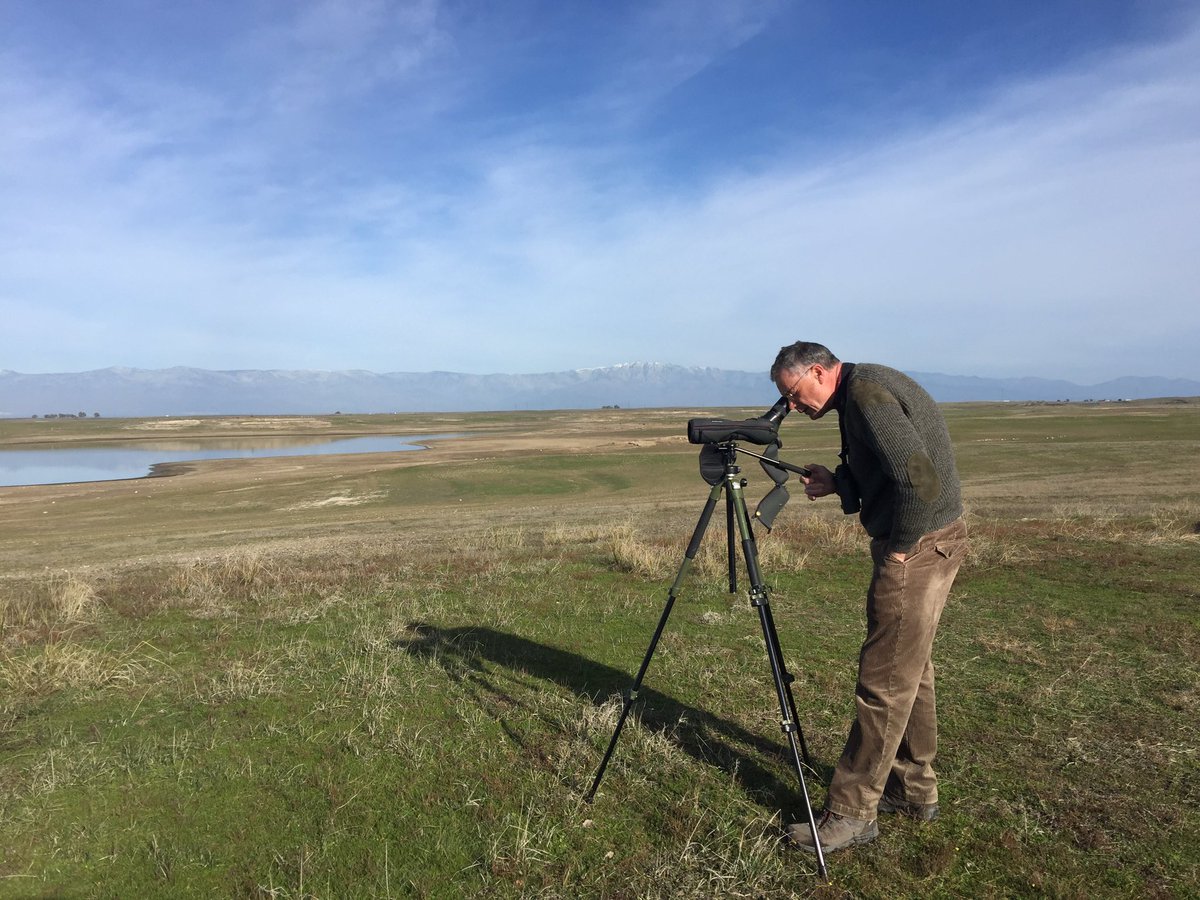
x: 900, y: 454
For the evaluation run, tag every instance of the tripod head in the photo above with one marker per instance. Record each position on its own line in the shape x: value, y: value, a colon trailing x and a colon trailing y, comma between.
x: 717, y: 461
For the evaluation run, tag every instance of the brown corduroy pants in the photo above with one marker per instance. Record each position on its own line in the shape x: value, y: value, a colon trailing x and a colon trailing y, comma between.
x: 893, y: 740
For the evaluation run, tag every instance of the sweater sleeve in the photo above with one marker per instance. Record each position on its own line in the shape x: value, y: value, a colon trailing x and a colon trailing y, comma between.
x: 905, y: 461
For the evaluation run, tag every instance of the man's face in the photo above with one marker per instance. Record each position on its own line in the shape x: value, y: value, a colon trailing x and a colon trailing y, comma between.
x: 806, y: 390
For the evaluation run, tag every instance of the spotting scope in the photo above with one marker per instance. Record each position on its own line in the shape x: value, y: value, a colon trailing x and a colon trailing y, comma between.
x: 762, y: 430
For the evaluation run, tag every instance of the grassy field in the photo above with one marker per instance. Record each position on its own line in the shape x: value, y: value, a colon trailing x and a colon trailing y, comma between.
x: 394, y: 675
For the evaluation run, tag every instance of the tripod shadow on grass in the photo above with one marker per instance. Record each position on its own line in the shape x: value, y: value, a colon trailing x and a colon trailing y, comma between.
x: 483, y: 659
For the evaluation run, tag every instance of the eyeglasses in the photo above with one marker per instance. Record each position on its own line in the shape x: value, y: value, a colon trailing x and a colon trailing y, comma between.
x: 790, y: 393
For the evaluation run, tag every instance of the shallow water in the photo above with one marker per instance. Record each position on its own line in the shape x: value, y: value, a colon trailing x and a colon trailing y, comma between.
x: 70, y: 464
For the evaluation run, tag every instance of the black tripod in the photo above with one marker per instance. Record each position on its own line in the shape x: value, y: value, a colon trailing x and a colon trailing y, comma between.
x: 731, y: 486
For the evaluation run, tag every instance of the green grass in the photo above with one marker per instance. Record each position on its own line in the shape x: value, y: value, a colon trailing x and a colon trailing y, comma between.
x: 419, y: 715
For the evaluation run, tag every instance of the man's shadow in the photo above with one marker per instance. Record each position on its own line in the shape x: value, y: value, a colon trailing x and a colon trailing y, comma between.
x: 481, y: 658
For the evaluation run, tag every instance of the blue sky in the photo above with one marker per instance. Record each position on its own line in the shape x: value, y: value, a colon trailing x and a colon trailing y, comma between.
x: 984, y: 188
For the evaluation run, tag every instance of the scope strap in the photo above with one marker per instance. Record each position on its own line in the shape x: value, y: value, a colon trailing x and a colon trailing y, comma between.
x: 844, y: 390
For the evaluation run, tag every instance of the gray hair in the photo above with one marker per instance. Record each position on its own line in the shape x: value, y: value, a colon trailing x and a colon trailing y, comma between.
x: 801, y: 355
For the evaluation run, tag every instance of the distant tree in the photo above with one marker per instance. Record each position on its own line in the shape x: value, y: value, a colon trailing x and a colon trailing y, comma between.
x: 82, y: 415
x: 95, y: 415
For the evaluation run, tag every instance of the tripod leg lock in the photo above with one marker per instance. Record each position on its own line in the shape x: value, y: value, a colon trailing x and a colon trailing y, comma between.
x: 759, y: 598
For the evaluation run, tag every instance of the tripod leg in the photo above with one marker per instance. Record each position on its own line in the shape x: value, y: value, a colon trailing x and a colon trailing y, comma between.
x: 688, y: 557
x: 730, y: 532
x: 787, y: 705
x: 772, y: 637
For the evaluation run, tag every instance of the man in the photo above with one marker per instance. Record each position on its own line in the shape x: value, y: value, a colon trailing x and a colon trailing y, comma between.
x: 898, y: 467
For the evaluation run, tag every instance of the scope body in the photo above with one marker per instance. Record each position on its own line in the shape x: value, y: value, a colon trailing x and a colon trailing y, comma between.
x: 761, y: 430
x: 719, y: 431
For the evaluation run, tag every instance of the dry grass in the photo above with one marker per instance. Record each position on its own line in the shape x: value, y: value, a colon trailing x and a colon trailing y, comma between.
x: 997, y: 542
x: 43, y: 608
x: 1171, y: 525
x: 503, y: 539
x: 29, y: 676
x: 71, y: 597
x: 786, y: 549
x: 67, y: 665
x: 46, y: 606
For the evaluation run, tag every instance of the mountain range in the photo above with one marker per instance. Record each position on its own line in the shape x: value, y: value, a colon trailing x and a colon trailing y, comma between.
x: 187, y: 391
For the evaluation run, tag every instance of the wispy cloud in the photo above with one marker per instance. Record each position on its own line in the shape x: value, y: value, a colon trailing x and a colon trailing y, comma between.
x: 664, y: 44
x: 337, y: 50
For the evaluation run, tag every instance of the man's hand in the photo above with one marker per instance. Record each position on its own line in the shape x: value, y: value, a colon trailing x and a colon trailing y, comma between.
x: 819, y: 482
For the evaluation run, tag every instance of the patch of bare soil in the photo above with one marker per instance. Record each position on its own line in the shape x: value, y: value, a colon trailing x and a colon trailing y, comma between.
x: 270, y: 423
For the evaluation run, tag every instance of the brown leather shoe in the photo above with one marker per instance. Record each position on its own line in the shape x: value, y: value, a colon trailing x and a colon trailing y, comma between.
x: 835, y: 832
x: 926, y: 812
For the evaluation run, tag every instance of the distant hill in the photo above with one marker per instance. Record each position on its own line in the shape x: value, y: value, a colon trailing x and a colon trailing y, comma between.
x: 185, y: 391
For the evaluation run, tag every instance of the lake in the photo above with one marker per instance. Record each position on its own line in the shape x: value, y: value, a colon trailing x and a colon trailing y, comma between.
x: 70, y: 464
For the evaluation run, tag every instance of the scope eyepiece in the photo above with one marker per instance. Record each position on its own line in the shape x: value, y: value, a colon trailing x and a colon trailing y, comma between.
x: 778, y: 412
